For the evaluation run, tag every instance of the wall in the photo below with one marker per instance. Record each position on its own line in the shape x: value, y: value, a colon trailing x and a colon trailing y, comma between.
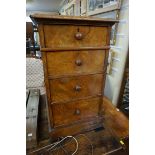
x: 120, y: 50
x: 28, y: 13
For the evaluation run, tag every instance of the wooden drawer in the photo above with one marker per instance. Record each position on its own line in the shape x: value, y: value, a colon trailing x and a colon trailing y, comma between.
x: 75, y: 62
x: 59, y: 36
x: 68, y: 113
x: 64, y: 89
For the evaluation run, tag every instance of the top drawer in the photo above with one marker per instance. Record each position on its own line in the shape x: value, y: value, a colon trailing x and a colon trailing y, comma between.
x: 59, y: 36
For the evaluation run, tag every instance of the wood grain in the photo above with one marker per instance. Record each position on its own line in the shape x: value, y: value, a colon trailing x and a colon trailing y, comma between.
x: 66, y: 113
x: 71, y: 20
x: 41, y: 35
x: 32, y: 118
x: 75, y: 49
x: 68, y: 18
x: 115, y: 119
x: 64, y: 36
x: 62, y: 63
x: 64, y: 89
x: 44, y: 59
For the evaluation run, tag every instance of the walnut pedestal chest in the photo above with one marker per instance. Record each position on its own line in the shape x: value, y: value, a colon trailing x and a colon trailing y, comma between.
x: 74, y: 53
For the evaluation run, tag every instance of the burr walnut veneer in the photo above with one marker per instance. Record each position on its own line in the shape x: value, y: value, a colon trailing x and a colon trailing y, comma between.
x: 74, y: 53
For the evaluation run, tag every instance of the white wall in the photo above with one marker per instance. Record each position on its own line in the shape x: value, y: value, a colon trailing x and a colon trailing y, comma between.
x: 113, y: 81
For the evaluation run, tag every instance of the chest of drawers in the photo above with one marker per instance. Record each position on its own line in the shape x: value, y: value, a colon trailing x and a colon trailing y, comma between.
x: 74, y: 53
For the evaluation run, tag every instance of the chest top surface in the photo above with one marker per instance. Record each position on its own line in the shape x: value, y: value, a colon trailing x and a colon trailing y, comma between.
x: 77, y: 20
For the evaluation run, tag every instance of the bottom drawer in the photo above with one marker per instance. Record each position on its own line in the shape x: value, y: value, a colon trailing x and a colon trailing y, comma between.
x: 71, y: 112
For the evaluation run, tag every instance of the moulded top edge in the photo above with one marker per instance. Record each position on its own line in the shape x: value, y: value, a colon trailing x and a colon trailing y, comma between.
x: 41, y: 18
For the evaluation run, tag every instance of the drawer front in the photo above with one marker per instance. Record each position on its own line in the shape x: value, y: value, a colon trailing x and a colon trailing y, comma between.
x: 75, y: 62
x: 65, y: 89
x: 68, y: 113
x: 59, y: 36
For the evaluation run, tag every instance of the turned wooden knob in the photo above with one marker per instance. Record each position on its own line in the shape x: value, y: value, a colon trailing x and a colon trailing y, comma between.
x: 77, y: 88
x: 78, y: 35
x: 78, y: 62
x: 77, y: 111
